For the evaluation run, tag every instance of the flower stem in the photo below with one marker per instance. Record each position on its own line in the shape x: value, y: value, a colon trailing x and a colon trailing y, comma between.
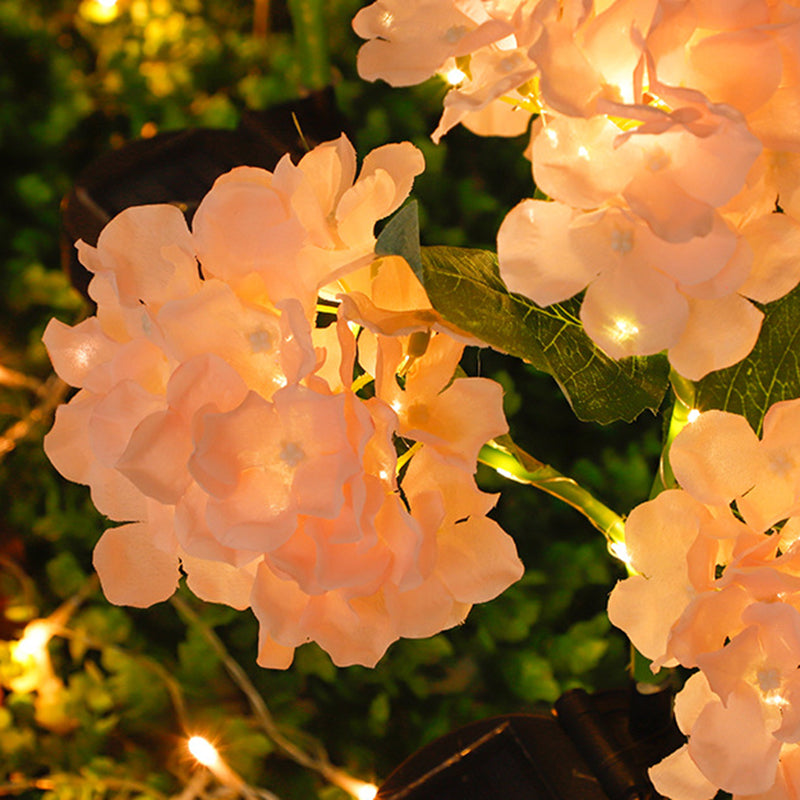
x: 512, y: 463
x: 684, y: 402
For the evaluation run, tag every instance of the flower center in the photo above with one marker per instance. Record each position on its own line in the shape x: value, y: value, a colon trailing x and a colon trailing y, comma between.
x: 292, y: 453
x: 260, y: 341
x: 622, y: 241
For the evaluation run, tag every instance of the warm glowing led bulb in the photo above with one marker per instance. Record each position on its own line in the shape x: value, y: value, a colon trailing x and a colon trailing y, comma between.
x: 361, y: 790
x: 99, y: 11
x: 618, y: 550
x: 34, y: 640
x: 367, y: 791
x: 455, y: 76
x: 624, y: 330
x: 203, y: 751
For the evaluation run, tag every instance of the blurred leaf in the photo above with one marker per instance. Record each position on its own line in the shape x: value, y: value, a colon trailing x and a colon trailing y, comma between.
x: 770, y: 373
x: 65, y: 574
x: 580, y: 649
x: 199, y: 662
x: 380, y: 710
x: 464, y: 285
x: 530, y: 677
x: 245, y: 748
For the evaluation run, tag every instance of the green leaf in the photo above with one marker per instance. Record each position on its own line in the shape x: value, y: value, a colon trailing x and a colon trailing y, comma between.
x: 465, y: 287
x: 770, y: 373
x: 400, y: 237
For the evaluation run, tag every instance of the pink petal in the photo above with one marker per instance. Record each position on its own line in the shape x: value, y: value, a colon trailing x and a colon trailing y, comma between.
x: 216, y: 582
x: 226, y: 445
x: 76, y: 351
x: 195, y: 537
x: 67, y: 443
x: 775, y: 240
x: 402, y: 162
x: 424, y: 610
x: 646, y: 610
x: 575, y: 161
x: 272, y: 655
x: 203, y: 380
x: 459, y: 421
x: 132, y: 570
x: 669, y: 210
x: 404, y: 538
x: 717, y: 458
x: 707, y: 622
x: 477, y: 560
x: 279, y: 606
x: 258, y: 515
x: 633, y: 310
x: 330, y: 169
x: 739, y: 763
x: 678, y: 777
x: 728, y: 279
x: 115, y: 496
x: 115, y: 417
x: 150, y: 253
x: 718, y: 333
x: 156, y: 457
x: 728, y: 667
x: 691, y: 700
x: 215, y: 321
x: 352, y: 632
x: 362, y: 205
x: 535, y: 256
x: 719, y: 65
x: 568, y: 82
x: 498, y: 119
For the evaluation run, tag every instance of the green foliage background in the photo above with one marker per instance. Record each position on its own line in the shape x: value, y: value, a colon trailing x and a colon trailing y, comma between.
x: 69, y: 91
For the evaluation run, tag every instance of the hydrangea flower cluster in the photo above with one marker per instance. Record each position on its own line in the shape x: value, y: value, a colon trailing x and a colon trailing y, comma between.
x: 717, y: 588
x: 666, y: 134
x: 316, y: 467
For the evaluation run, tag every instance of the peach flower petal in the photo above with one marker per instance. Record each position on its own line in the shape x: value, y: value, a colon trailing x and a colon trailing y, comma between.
x: 630, y: 311
x: 272, y: 655
x: 535, y: 256
x: 717, y: 457
x: 76, y: 351
x: 114, y: 418
x: 691, y: 700
x: 477, y: 560
x: 736, y: 763
x: 149, y: 253
x: 67, y: 442
x: 133, y: 572
x: 155, y: 459
x: 216, y: 582
x: 775, y: 240
x: 719, y: 333
x: 424, y: 610
x: 357, y: 631
x: 679, y: 778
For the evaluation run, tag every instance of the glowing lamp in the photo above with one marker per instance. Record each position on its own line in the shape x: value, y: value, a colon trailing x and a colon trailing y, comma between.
x: 455, y: 76
x: 99, y: 12
x: 205, y: 752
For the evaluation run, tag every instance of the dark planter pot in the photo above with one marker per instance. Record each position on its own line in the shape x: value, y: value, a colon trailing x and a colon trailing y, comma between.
x: 590, y: 747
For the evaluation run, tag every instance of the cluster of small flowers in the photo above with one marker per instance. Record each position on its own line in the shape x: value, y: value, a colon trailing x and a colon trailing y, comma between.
x: 717, y: 588
x: 320, y: 474
x: 666, y: 135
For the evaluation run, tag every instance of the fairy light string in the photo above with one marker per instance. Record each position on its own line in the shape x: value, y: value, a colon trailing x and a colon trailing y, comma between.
x: 31, y: 652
